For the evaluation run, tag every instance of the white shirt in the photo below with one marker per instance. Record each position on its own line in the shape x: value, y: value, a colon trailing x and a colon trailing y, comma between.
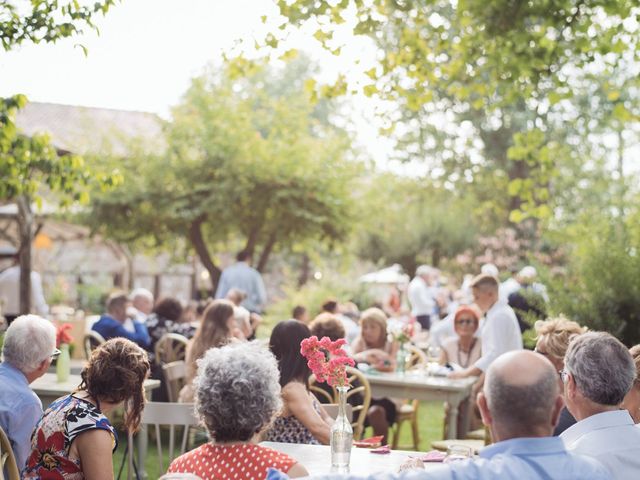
x: 420, y: 297
x: 500, y: 333
x: 509, y: 286
x: 10, y: 292
x: 351, y: 328
x: 611, y: 438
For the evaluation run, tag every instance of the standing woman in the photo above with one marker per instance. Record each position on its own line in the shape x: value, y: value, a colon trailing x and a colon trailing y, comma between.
x: 302, y: 420
x: 215, y: 330
x: 74, y: 439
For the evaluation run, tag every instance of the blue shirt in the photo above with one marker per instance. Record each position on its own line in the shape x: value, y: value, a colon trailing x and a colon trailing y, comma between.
x: 20, y: 410
x: 516, y: 459
x: 109, y: 327
x: 247, y: 279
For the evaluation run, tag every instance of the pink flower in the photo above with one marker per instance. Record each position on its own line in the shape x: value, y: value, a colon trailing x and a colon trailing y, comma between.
x: 326, y: 359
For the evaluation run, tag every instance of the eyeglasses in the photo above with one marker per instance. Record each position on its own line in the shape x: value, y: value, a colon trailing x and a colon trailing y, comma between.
x: 55, y: 353
x: 536, y: 350
x: 564, y: 375
x: 465, y: 321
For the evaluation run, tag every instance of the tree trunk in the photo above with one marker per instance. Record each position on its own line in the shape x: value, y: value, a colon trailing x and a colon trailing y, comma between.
x: 197, y: 240
x: 25, y: 227
x: 305, y: 270
x: 252, y: 240
x: 266, y: 252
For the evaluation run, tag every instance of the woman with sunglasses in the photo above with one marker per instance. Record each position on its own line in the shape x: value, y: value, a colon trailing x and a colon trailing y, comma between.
x: 462, y: 351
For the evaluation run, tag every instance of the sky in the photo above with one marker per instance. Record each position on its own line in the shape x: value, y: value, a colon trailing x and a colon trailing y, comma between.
x: 147, y: 51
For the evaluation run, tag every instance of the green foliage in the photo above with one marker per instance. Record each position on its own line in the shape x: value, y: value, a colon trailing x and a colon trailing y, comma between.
x: 46, y: 20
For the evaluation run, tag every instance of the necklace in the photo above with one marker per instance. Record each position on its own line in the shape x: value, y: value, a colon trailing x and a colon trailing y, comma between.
x: 465, y: 364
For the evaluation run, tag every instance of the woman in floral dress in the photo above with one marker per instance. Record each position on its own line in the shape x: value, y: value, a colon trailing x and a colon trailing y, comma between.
x: 74, y: 439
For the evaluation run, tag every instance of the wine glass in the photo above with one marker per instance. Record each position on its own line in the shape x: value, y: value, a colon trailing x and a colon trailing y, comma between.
x: 456, y: 453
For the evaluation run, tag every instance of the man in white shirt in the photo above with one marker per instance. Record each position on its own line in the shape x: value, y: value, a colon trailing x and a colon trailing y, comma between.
x: 499, y: 331
x: 10, y: 292
x: 421, y: 296
x: 598, y: 373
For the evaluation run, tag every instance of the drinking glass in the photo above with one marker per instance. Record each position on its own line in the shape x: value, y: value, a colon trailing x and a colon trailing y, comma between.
x: 456, y: 453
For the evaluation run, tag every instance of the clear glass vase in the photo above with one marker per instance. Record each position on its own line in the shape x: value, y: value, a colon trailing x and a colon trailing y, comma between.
x: 341, y: 434
x: 401, y: 359
x: 63, y: 363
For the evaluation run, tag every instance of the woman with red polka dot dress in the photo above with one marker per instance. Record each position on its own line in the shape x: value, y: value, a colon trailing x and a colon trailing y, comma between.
x: 237, y: 396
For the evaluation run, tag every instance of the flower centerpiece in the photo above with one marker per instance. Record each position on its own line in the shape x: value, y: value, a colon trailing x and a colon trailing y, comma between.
x: 63, y: 363
x: 402, y: 334
x: 328, y: 361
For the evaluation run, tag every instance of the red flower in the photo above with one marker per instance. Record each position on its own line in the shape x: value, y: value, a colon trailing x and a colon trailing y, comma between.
x: 62, y: 334
x: 48, y: 457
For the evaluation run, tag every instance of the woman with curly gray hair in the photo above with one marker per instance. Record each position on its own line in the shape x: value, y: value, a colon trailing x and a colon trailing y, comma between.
x: 237, y: 396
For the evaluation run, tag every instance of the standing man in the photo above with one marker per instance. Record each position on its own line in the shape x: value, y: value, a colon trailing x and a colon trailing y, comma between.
x: 112, y: 323
x: 10, y: 292
x: 29, y: 346
x: 243, y: 277
x: 598, y: 372
x: 421, y: 296
x: 500, y: 332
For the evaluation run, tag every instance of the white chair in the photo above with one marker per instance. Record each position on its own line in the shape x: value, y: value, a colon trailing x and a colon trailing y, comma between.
x: 91, y: 341
x: 175, y: 376
x: 170, y: 348
x: 175, y: 416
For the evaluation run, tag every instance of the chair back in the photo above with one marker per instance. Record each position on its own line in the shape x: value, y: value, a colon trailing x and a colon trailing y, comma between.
x: 360, y: 386
x: 7, y: 459
x: 417, y: 358
x: 91, y: 341
x: 175, y: 376
x: 170, y: 348
x: 175, y: 416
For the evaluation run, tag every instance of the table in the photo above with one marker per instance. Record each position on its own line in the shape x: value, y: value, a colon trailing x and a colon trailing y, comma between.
x: 48, y: 389
x: 317, y: 458
x: 420, y: 386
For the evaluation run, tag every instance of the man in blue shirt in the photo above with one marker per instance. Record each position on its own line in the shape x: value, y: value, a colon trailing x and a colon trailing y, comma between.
x: 521, y: 403
x: 29, y: 345
x: 111, y: 324
x: 245, y: 278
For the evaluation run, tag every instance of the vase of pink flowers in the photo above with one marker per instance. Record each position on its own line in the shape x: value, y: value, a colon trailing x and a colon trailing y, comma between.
x: 328, y: 361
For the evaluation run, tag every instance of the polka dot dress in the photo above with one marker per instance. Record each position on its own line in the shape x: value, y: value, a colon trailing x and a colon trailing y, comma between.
x: 231, y: 462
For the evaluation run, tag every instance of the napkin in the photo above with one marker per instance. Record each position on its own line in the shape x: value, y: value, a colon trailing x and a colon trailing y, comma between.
x: 383, y: 450
x: 432, y: 456
x: 371, y: 442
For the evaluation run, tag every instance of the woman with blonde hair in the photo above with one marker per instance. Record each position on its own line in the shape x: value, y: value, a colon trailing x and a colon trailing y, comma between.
x: 632, y: 399
x: 74, y: 438
x: 552, y: 341
x: 373, y: 346
x: 215, y: 330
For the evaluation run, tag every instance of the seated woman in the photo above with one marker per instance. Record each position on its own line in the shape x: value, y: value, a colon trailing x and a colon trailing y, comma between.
x: 237, y: 395
x: 554, y: 336
x: 302, y: 420
x: 464, y: 350
x: 74, y: 438
x: 166, y: 317
x: 215, y: 330
x: 632, y: 399
x: 374, y: 348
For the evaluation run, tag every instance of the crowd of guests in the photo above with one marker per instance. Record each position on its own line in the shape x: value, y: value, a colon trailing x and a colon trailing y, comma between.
x: 567, y: 410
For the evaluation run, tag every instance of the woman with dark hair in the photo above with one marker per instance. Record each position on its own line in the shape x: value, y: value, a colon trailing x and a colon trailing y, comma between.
x: 215, y: 330
x: 74, y: 438
x: 302, y: 419
x: 166, y: 318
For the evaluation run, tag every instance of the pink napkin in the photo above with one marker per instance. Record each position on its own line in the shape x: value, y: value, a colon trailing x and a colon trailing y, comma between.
x: 381, y: 450
x: 432, y: 456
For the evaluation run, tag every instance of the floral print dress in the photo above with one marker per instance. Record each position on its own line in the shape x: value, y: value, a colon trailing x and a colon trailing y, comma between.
x: 63, y: 421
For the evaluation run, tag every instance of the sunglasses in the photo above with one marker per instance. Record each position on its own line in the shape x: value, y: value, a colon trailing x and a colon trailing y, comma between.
x: 465, y: 321
x: 55, y: 354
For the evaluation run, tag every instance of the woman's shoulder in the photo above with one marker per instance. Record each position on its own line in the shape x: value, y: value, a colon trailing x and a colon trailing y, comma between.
x: 83, y: 416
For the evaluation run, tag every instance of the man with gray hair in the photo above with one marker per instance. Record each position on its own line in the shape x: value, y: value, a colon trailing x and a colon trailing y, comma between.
x: 29, y: 346
x: 598, y: 373
x: 521, y: 404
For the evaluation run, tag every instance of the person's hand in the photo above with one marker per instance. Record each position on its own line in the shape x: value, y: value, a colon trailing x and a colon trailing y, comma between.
x: 377, y: 357
x: 411, y: 464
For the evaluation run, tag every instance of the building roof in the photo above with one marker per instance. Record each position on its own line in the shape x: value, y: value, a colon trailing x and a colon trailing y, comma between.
x: 86, y: 130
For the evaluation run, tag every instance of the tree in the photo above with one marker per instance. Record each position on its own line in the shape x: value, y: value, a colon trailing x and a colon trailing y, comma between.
x: 249, y: 156
x: 27, y: 165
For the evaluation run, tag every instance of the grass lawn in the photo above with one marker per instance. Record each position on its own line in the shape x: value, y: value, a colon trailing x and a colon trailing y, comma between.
x: 431, y: 421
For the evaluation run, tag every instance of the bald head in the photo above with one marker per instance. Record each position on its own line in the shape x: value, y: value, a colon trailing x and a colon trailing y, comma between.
x: 521, y: 390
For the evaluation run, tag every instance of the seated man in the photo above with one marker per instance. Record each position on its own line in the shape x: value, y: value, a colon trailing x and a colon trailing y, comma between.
x: 521, y: 403
x: 29, y: 346
x: 598, y: 373
x: 111, y: 324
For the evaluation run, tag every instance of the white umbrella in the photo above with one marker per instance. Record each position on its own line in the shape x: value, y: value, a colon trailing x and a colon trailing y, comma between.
x: 390, y: 275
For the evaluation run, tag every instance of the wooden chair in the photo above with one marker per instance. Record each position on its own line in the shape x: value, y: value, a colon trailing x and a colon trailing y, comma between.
x: 91, y: 341
x: 357, y: 378
x: 175, y: 416
x: 175, y: 376
x: 7, y: 459
x: 408, y: 411
x: 170, y: 348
